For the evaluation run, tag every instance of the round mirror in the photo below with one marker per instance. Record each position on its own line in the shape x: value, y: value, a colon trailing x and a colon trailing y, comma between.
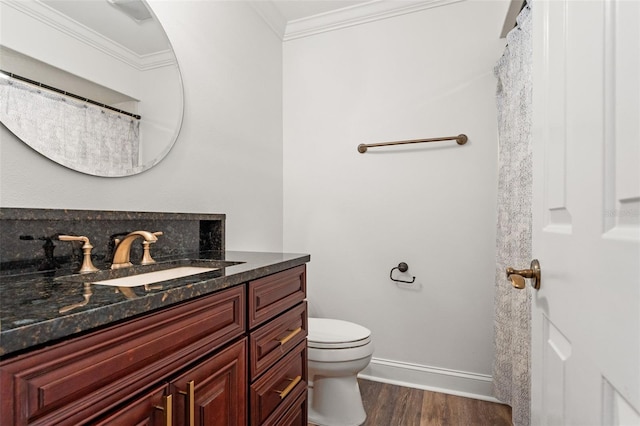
x: 93, y: 85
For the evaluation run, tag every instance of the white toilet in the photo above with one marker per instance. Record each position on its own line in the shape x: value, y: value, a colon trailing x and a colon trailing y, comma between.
x: 337, y: 352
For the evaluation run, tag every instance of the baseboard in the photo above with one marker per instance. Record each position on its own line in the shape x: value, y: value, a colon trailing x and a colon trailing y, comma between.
x: 460, y: 383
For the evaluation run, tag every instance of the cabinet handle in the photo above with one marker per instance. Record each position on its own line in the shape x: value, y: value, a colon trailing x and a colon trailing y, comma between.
x: 167, y: 410
x: 190, y: 401
x: 289, y: 336
x: 283, y: 393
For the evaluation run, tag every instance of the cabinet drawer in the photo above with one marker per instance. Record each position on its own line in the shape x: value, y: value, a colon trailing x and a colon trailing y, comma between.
x: 274, y: 339
x: 296, y: 415
x: 271, y: 295
x: 79, y: 379
x: 273, y: 393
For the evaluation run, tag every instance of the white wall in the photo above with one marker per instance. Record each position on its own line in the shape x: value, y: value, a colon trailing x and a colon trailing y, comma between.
x: 228, y: 158
x: 420, y: 75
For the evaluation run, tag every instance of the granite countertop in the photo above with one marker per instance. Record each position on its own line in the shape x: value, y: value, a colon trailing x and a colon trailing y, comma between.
x: 30, y: 304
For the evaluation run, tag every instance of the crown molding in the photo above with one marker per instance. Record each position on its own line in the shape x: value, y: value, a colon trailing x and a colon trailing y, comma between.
x: 159, y: 59
x: 89, y: 37
x: 356, y: 15
x: 271, y: 15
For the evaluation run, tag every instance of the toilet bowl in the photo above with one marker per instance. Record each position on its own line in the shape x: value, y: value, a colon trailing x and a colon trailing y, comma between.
x: 337, y: 351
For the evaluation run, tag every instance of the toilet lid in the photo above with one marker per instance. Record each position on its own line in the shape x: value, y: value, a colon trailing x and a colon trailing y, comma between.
x: 335, y: 334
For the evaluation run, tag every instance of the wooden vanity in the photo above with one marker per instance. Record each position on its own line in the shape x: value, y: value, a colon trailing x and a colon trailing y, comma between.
x: 236, y: 356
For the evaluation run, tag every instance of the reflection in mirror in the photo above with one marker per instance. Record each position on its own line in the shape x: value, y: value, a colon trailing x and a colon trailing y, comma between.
x: 93, y: 85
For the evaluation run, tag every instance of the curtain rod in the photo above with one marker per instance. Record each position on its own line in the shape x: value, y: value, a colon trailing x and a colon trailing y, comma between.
x: 63, y: 92
x: 460, y: 139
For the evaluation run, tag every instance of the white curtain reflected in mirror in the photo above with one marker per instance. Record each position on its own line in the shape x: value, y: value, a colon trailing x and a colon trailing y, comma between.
x: 75, y: 134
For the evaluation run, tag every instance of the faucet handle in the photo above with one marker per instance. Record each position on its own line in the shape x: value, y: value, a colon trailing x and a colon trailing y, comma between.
x: 146, y: 250
x: 87, y: 265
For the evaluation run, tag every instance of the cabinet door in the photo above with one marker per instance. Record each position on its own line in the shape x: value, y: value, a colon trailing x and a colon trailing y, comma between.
x: 214, y: 392
x: 143, y: 411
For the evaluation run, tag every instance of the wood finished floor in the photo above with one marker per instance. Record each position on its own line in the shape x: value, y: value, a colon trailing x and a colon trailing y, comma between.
x: 389, y: 405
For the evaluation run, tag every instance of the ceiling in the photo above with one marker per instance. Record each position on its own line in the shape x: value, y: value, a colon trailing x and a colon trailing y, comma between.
x: 292, y: 10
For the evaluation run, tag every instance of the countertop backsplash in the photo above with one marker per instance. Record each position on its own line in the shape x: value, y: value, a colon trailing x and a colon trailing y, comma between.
x: 24, y: 234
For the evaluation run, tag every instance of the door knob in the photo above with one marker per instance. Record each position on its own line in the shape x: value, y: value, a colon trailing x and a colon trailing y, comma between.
x: 517, y: 276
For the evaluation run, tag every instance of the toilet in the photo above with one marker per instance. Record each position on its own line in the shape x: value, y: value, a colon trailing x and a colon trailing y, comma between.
x: 337, y: 351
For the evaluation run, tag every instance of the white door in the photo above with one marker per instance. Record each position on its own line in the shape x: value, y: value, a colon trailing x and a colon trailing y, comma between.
x: 586, y: 212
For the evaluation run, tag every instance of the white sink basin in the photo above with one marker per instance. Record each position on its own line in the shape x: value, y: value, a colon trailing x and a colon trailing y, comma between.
x: 155, y: 277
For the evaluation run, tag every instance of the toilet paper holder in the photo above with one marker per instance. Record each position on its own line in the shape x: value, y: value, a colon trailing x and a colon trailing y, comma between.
x: 402, y: 267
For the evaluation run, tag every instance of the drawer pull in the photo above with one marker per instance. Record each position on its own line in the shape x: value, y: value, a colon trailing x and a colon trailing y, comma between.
x: 190, y: 401
x: 289, y: 336
x: 283, y: 393
x: 167, y: 412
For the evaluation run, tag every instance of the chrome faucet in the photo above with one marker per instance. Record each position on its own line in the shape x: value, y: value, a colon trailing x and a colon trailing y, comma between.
x: 123, y: 248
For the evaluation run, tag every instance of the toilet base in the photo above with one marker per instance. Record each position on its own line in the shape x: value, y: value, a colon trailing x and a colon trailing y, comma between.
x: 335, y: 401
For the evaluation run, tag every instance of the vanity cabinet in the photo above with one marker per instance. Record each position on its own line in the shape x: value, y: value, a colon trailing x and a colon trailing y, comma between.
x: 235, y: 357
x: 85, y: 378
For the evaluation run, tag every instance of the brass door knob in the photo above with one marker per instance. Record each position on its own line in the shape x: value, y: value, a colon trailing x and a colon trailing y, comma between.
x: 517, y: 276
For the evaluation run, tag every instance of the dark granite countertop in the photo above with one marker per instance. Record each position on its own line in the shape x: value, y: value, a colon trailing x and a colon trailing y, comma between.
x: 30, y: 304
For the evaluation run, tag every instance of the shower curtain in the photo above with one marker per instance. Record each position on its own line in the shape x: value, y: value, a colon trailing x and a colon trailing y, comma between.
x: 511, y: 377
x: 78, y: 135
